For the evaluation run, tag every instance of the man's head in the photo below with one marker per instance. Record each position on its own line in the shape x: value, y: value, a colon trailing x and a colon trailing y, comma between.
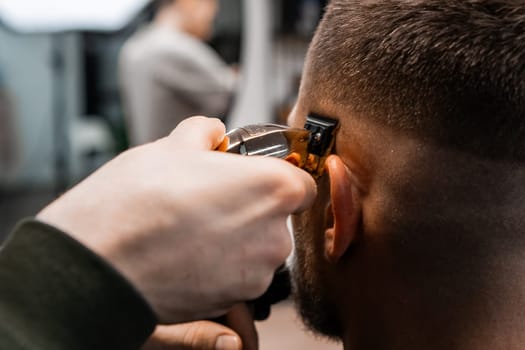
x: 418, y: 224
x: 194, y: 17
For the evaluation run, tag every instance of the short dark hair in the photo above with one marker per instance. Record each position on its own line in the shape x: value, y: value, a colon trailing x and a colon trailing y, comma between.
x: 450, y: 71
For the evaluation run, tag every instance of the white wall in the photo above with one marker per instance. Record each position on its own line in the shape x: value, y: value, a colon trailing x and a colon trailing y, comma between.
x: 253, y: 102
x: 26, y: 62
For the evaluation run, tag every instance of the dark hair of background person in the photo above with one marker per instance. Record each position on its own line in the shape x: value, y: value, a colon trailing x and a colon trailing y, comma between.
x: 161, y: 3
x: 461, y: 64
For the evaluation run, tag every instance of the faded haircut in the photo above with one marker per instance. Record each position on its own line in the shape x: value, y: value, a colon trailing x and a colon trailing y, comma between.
x: 449, y: 71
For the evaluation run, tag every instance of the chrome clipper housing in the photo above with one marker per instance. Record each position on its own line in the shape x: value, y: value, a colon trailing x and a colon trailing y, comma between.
x: 306, y: 148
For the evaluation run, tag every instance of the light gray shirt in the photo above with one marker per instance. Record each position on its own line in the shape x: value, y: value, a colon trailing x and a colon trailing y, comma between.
x: 167, y: 76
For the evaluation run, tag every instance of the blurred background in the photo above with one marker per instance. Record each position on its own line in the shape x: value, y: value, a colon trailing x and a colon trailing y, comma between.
x: 62, y: 111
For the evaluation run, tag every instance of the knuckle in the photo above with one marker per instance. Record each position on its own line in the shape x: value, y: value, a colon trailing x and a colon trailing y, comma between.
x: 188, y: 335
x: 204, y: 122
x: 218, y: 125
x: 197, y: 336
x: 197, y: 120
x: 289, y: 189
x: 215, y: 120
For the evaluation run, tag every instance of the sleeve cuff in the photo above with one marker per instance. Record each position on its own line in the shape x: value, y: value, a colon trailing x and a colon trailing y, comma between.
x: 57, y: 294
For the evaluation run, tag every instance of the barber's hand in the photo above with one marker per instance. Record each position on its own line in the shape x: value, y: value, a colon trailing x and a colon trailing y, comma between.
x: 195, y: 231
x: 206, y: 335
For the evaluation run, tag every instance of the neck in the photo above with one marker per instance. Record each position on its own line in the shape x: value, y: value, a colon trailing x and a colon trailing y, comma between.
x: 169, y: 18
x: 437, y: 288
x: 497, y: 324
x: 442, y: 254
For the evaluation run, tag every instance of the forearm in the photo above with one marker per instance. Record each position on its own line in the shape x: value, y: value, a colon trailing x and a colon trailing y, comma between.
x: 57, y: 294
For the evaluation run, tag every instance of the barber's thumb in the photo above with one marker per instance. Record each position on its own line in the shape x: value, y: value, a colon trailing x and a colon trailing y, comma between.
x: 198, y: 133
x: 306, y: 192
x: 202, y: 335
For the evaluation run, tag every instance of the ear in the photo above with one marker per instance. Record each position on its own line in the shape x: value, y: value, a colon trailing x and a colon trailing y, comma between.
x: 344, y: 209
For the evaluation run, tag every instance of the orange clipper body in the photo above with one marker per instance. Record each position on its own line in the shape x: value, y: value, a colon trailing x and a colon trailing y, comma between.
x: 305, y: 148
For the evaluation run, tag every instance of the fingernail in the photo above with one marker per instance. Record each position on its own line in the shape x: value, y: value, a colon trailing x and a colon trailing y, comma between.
x: 227, y: 342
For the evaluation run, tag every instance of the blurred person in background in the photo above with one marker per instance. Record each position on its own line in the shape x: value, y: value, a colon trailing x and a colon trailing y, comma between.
x: 168, y: 72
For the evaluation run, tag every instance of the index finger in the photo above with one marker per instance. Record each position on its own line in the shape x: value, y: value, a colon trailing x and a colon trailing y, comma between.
x: 309, y: 190
x: 295, y: 189
x: 198, y: 133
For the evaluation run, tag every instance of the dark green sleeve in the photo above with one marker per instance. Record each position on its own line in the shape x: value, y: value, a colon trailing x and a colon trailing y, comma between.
x: 57, y: 294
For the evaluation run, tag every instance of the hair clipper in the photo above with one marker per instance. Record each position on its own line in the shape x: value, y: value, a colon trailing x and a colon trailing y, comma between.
x: 307, y: 149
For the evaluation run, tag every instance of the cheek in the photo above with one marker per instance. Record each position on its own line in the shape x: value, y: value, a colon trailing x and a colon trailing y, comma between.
x: 300, y: 232
x: 301, y: 257
x: 308, y: 230
x: 309, y: 227
x: 308, y: 247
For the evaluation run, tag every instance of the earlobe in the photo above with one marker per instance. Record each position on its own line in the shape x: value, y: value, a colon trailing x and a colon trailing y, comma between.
x: 345, y: 210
